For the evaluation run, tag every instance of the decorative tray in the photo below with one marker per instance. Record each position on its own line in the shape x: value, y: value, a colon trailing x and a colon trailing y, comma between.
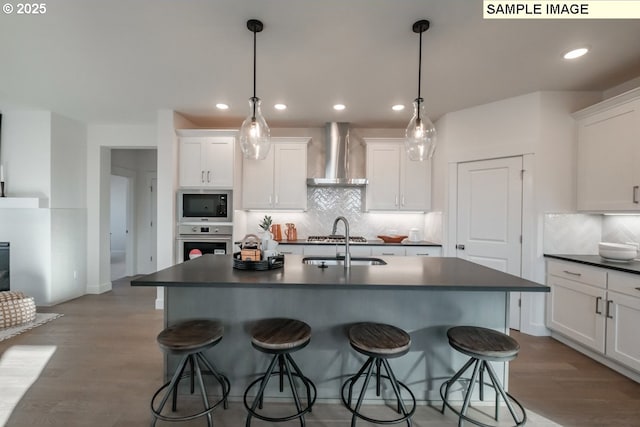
x: 271, y: 263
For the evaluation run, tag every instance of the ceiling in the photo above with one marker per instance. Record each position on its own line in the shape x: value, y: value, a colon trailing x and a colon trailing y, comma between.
x: 119, y: 61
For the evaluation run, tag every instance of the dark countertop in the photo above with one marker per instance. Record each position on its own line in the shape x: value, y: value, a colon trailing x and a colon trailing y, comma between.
x: 373, y: 242
x: 428, y: 273
x: 595, y: 260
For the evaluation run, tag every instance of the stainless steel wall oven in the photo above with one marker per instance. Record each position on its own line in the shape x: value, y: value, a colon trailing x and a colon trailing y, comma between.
x: 198, y: 239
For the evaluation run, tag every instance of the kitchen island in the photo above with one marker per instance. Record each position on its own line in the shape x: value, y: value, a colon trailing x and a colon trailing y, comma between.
x: 424, y: 296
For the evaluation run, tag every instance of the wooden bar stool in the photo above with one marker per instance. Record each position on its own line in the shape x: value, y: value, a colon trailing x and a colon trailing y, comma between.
x: 483, y: 346
x: 190, y: 339
x: 281, y: 337
x: 379, y: 342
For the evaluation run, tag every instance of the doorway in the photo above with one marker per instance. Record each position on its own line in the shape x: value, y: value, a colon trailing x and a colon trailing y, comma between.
x: 489, y: 218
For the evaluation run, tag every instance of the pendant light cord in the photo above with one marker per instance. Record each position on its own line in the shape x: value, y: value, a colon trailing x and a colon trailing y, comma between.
x: 254, y: 75
x: 419, y: 73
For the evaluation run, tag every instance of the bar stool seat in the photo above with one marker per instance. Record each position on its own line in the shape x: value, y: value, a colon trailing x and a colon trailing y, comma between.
x: 281, y: 337
x: 482, y: 345
x: 379, y: 342
x: 190, y: 339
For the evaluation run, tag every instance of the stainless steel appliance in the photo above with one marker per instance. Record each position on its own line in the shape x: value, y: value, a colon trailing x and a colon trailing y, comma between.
x: 198, y: 239
x: 198, y: 206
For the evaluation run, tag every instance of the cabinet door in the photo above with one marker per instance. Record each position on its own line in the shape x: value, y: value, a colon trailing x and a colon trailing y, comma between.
x: 388, y: 250
x: 576, y: 310
x: 623, y: 318
x: 322, y: 250
x: 290, y: 176
x: 608, y: 146
x: 383, y: 173
x: 290, y: 249
x: 218, y: 163
x: 423, y: 251
x: 415, y: 184
x: 191, y: 172
x: 257, y: 183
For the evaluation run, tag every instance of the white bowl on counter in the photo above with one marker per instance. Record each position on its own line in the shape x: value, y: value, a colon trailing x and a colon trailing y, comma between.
x: 617, y: 251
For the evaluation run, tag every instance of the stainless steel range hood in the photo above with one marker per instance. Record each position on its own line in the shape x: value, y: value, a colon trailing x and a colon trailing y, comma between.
x: 336, y: 159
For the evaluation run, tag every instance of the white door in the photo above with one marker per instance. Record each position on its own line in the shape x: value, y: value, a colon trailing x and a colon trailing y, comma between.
x: 489, y: 222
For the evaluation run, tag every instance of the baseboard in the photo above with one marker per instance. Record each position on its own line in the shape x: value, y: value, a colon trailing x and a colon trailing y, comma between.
x: 629, y: 373
x: 100, y: 289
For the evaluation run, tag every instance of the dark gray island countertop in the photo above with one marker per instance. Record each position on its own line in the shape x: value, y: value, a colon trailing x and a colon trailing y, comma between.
x: 430, y: 273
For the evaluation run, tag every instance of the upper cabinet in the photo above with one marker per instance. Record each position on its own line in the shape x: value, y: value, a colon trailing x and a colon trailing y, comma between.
x: 206, y: 159
x: 609, y: 155
x: 395, y: 182
x: 279, y: 181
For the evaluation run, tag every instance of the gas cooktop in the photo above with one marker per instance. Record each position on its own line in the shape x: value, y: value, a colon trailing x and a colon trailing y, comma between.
x: 335, y: 239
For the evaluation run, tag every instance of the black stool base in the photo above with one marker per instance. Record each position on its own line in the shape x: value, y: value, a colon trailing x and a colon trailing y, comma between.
x: 194, y: 360
x: 286, y: 367
x: 479, y: 367
x: 371, y: 363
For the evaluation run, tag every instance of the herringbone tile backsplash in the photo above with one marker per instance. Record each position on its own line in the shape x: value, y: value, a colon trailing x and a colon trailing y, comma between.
x: 324, y: 204
x: 581, y: 233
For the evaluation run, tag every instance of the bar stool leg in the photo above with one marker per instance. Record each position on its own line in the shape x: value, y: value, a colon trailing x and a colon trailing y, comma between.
x: 467, y: 398
x: 362, y: 393
x: 302, y: 377
x: 396, y: 390
x: 499, y: 388
x: 224, y: 381
x: 453, y: 380
x: 294, y: 391
x: 205, y: 399
x: 170, y: 388
x: 357, y: 376
x: 263, y: 385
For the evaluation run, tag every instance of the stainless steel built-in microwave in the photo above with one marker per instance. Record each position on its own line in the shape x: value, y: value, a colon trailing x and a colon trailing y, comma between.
x: 205, y: 206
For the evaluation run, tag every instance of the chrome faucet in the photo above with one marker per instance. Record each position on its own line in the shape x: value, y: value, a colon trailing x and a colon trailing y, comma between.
x: 347, y: 255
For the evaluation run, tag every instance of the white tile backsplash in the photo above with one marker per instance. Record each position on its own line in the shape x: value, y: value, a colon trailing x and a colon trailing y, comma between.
x: 581, y: 233
x: 572, y: 233
x: 324, y: 204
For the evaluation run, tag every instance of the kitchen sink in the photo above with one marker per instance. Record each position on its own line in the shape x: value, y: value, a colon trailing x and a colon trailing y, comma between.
x: 328, y: 261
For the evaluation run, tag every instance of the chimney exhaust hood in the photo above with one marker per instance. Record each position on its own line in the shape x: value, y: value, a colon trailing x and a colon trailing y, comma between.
x: 336, y: 159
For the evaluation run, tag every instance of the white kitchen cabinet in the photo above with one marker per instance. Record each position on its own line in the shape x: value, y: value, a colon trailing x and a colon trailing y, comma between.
x: 285, y: 249
x: 596, y: 307
x: 395, y: 182
x: 623, y: 318
x: 322, y: 250
x: 388, y: 251
x: 279, y: 181
x: 423, y: 251
x: 609, y: 155
x: 575, y: 310
x: 206, y: 161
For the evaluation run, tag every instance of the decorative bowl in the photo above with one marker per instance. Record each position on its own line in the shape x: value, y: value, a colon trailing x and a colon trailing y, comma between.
x: 617, y: 251
x: 392, y: 239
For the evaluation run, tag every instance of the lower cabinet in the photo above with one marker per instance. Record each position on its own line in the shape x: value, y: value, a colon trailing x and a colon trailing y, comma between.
x: 597, y: 308
x: 359, y: 250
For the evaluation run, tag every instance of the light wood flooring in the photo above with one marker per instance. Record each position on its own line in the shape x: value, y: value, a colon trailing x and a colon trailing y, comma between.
x: 107, y: 365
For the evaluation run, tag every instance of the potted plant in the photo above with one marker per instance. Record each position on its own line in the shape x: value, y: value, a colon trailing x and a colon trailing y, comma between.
x: 266, y: 227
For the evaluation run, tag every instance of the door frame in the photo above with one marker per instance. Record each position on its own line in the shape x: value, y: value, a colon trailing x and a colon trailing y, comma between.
x: 528, y: 230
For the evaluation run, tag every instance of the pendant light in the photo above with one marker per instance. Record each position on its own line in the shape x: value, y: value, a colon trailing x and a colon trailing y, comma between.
x: 420, y: 136
x: 255, y: 136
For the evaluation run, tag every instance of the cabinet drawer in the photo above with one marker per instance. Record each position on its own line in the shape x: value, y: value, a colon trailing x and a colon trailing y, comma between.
x: 628, y: 284
x: 423, y: 251
x: 580, y: 273
x: 388, y: 250
x: 291, y: 249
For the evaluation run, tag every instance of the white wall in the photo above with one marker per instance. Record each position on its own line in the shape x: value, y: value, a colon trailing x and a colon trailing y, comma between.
x: 538, y: 125
x: 26, y: 153
x: 101, y: 138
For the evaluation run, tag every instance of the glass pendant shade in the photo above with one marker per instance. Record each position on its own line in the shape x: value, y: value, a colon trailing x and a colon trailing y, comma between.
x: 420, y: 136
x: 255, y: 136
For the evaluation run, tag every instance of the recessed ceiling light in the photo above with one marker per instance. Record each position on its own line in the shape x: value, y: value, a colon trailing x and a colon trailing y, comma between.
x: 222, y: 106
x: 398, y: 107
x: 280, y: 107
x: 576, y: 53
x: 339, y: 107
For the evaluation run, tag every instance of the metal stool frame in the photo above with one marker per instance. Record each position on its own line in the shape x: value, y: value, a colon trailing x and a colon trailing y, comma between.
x: 378, y: 361
x: 285, y: 364
x: 480, y: 365
x: 193, y: 359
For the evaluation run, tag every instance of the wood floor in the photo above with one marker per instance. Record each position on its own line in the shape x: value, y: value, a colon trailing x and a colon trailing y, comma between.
x: 107, y: 365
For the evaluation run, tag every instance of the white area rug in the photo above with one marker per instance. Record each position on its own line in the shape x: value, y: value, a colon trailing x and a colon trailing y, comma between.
x: 41, y: 319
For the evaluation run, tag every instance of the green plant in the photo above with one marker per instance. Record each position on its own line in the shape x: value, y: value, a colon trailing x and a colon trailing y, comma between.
x: 266, y: 223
